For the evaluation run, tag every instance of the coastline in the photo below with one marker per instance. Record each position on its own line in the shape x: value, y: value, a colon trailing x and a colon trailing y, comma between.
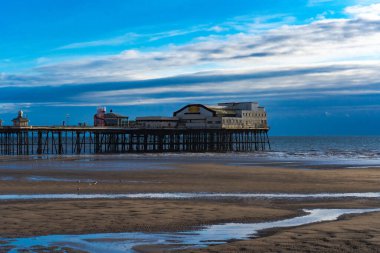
x: 24, y: 218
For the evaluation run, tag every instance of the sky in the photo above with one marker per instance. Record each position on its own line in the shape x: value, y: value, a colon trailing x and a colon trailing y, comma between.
x: 313, y: 64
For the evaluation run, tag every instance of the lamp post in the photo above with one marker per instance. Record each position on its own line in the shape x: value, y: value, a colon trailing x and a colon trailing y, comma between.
x: 67, y: 119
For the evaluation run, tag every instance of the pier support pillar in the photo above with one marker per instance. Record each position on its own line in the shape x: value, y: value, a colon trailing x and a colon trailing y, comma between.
x: 60, y: 146
x: 77, y: 143
x: 39, y: 143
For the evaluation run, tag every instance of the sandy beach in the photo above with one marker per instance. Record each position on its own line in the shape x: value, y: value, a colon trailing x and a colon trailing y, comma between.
x: 25, y: 218
x: 350, y: 234
x: 196, y: 177
x: 21, y: 219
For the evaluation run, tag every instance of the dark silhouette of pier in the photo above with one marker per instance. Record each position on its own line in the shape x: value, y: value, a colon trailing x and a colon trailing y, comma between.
x: 94, y: 140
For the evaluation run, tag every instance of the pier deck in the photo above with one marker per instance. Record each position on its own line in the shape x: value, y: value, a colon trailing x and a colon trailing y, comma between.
x: 94, y: 140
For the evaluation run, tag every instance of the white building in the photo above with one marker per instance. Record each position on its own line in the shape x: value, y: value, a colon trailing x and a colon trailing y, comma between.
x: 246, y: 115
x: 20, y: 121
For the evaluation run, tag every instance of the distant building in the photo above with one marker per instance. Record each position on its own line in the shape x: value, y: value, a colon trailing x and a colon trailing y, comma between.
x: 156, y: 122
x: 1, y: 123
x: 111, y: 119
x: 246, y: 115
x: 115, y: 120
x: 242, y: 115
x: 20, y: 121
x: 99, y: 117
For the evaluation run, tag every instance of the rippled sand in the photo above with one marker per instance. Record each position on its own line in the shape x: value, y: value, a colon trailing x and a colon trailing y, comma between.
x: 42, y: 217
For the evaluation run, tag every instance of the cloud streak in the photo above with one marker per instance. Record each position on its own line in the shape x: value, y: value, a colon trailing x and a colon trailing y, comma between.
x: 130, y: 38
x: 321, y: 58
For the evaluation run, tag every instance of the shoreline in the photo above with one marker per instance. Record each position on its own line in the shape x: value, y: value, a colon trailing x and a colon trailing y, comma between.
x: 259, y: 158
x: 28, y: 217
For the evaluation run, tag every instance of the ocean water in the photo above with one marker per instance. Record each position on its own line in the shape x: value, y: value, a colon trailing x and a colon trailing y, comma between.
x: 299, y: 152
x: 305, y: 150
x: 357, y: 151
x: 328, y: 146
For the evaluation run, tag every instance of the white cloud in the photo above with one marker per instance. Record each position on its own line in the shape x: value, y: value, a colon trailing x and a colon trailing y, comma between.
x: 146, y: 101
x: 341, y: 57
x: 366, y: 2
x: 130, y: 38
x: 119, y: 40
x: 326, y: 41
x: 369, y: 12
x: 13, y: 107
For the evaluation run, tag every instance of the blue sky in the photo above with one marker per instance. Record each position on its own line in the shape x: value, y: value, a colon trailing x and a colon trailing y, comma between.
x: 314, y: 64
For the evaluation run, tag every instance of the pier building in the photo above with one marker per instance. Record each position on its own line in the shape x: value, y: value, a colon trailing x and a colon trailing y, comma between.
x: 156, y: 122
x: 111, y: 119
x: 246, y: 115
x: 20, y: 120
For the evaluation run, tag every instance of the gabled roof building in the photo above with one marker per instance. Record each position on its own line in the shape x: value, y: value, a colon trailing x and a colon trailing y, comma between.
x: 246, y: 115
x: 20, y: 121
x: 111, y: 119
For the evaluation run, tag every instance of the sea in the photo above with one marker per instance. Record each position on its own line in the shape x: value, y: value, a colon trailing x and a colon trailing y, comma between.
x: 354, y: 151
x: 358, y: 147
x: 339, y: 150
x: 289, y: 151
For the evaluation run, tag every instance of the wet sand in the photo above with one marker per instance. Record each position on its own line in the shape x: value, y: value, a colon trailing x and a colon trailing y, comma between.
x: 31, y: 218
x: 356, y: 233
x: 192, y: 178
x: 22, y: 219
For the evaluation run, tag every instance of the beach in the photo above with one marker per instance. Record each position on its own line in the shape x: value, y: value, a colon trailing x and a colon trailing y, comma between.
x: 210, y: 181
x: 194, y: 177
x: 350, y: 234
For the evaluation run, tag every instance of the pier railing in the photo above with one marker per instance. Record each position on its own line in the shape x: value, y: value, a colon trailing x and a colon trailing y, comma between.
x: 90, y: 140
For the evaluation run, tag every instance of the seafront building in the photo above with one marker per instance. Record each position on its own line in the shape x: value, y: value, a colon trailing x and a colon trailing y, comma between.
x: 243, y: 115
x: 111, y: 119
x: 247, y: 115
x: 20, y: 120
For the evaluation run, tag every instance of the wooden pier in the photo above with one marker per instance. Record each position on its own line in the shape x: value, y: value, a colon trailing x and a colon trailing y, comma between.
x: 94, y: 140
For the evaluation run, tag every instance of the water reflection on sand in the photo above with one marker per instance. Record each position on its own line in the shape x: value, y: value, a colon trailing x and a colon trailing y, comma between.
x: 194, y: 195
x: 209, y: 235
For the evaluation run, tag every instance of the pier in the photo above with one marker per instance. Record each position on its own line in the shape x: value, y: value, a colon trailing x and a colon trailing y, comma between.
x: 225, y: 127
x: 95, y: 140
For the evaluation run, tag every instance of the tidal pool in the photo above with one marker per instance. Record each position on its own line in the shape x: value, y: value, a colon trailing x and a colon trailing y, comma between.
x: 209, y: 235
